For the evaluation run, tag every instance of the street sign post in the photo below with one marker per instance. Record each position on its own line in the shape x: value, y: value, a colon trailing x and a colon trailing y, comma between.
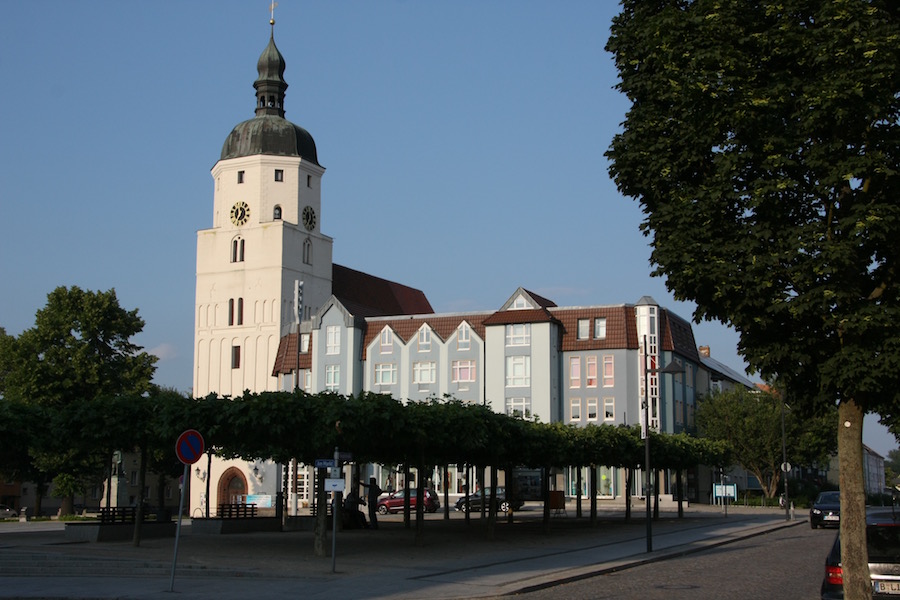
x: 189, y: 448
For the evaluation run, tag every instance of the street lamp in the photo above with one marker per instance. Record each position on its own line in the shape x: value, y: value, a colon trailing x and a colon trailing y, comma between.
x: 672, y: 368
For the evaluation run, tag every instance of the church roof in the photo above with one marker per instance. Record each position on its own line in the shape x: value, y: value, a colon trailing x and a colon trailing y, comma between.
x: 269, y: 132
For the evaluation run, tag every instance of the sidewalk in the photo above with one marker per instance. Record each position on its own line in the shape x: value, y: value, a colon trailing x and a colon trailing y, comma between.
x: 454, y: 560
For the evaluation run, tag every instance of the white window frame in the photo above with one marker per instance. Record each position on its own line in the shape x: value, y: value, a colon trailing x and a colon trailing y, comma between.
x: 592, y: 405
x: 609, y: 409
x: 574, y: 372
x: 519, y: 407
x: 463, y: 336
x: 333, y: 339
x: 584, y: 329
x: 520, y: 303
x: 386, y: 341
x: 518, y: 334
x: 518, y: 371
x: 424, y: 339
x: 424, y: 373
x: 600, y: 328
x: 332, y: 378
x: 590, y: 371
x: 385, y: 374
x: 575, y: 409
x: 466, y: 367
x: 609, y: 380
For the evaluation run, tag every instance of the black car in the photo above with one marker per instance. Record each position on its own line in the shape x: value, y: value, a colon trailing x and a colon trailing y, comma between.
x: 826, y: 510
x: 503, y: 504
x: 883, y: 544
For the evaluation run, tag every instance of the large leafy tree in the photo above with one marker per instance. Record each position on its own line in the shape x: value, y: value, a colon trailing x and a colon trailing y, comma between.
x: 750, y: 422
x: 762, y: 143
x: 79, y: 352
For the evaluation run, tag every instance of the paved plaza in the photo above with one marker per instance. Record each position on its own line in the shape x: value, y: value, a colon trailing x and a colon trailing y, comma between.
x: 453, y: 559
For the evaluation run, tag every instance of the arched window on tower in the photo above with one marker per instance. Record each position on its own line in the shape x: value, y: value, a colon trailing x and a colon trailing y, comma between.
x: 307, y: 251
x: 237, y: 250
x: 276, y: 214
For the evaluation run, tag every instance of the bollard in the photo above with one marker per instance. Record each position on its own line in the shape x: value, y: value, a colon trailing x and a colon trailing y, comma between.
x: 23, y: 515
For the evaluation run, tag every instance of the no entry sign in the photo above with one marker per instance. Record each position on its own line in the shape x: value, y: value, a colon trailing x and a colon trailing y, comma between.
x: 189, y: 446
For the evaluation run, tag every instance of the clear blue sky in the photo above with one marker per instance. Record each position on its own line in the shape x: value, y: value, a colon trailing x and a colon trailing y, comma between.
x: 463, y: 143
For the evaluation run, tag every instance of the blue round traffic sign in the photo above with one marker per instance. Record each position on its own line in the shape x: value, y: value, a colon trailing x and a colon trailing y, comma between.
x: 189, y: 446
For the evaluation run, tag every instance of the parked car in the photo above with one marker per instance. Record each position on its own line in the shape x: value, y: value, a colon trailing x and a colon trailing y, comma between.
x: 883, y: 543
x: 393, y: 502
x: 7, y: 512
x: 475, y: 501
x: 826, y: 510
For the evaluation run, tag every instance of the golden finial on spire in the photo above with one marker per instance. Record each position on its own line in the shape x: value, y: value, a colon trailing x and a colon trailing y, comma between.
x: 272, y: 12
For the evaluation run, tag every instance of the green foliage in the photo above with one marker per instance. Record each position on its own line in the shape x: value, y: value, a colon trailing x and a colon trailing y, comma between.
x: 762, y: 145
x: 750, y: 423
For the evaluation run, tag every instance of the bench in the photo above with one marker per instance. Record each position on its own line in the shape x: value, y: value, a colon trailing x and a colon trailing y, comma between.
x: 236, y: 511
x: 118, y: 514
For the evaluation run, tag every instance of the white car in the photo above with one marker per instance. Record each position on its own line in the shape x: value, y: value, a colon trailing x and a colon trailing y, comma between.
x: 7, y: 512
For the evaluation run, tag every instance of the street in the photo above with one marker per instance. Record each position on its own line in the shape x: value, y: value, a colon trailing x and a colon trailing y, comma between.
x: 786, y: 564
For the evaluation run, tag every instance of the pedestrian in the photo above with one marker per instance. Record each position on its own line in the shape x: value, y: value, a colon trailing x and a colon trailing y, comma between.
x: 372, y: 497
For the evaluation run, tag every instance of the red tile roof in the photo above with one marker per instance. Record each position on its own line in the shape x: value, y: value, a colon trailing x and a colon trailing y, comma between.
x: 365, y: 295
x: 621, y: 329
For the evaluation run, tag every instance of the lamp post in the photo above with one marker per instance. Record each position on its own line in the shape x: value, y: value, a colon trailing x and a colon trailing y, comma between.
x: 672, y: 368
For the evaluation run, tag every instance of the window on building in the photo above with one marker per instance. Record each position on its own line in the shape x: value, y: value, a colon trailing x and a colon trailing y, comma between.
x: 518, y: 371
x: 584, y: 330
x: 230, y: 312
x: 237, y: 250
x: 385, y: 374
x: 520, y: 303
x: 333, y: 339
x: 609, y: 370
x: 591, y: 367
x: 463, y: 336
x: 304, y: 343
x: 574, y: 371
x: 609, y: 409
x: 575, y: 409
x: 240, y: 177
x: 424, y: 338
x: 235, y: 357
x: 309, y: 181
x: 387, y: 341
x: 463, y: 371
x: 279, y: 175
x: 307, y: 251
x: 518, y: 334
x: 600, y: 328
x: 689, y: 375
x: 307, y: 380
x: 592, y: 409
x: 276, y: 213
x: 240, y: 311
x: 519, y: 407
x: 424, y: 372
x: 332, y: 377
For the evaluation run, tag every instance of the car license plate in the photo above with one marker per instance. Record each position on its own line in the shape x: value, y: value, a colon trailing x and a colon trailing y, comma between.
x: 887, y: 587
x: 832, y: 518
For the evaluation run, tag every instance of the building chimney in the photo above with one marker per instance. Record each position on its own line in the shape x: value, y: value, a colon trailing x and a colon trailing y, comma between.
x: 704, y: 351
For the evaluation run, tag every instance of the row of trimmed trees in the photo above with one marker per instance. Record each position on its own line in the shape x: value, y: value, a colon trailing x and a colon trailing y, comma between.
x: 78, y: 439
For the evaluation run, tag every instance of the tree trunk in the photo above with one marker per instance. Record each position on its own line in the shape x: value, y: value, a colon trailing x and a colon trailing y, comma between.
x: 593, y: 491
x: 854, y: 555
x: 492, y: 503
x: 679, y: 489
x: 446, y: 486
x: 629, y: 475
x: 406, y: 521
x: 142, y: 482
x: 321, y: 527
x: 420, y: 499
x: 578, y: 483
x: 545, y: 493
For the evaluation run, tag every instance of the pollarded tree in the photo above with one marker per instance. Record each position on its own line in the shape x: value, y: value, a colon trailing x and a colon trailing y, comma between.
x: 762, y: 142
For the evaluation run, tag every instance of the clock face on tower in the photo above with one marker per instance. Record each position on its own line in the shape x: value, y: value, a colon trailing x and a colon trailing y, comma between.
x: 240, y: 213
x: 309, y: 218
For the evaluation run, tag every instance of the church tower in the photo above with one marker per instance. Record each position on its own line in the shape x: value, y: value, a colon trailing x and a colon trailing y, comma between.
x: 265, y: 239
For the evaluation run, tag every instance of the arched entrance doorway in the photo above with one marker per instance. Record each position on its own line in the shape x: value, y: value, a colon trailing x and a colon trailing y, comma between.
x: 232, y: 488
